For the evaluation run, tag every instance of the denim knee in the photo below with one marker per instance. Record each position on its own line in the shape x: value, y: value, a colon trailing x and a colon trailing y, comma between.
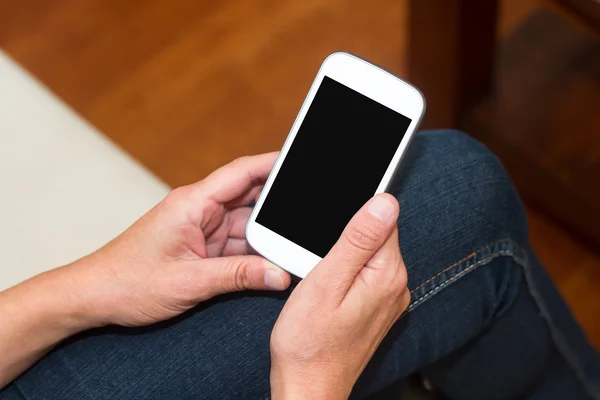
x: 452, y: 187
x: 456, y: 201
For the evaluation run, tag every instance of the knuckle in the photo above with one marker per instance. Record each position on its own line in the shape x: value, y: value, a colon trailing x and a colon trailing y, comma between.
x: 403, y: 293
x: 276, y: 342
x: 399, y: 285
x: 401, y: 278
x: 240, y: 273
x: 363, y: 238
x: 405, y: 299
x: 240, y: 161
x: 397, y: 281
x: 175, y: 197
x: 402, y: 302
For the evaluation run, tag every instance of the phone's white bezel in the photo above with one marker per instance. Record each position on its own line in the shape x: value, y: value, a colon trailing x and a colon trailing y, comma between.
x: 372, y: 82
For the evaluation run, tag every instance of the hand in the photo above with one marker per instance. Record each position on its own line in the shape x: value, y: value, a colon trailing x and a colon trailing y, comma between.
x: 187, y: 249
x: 336, y: 317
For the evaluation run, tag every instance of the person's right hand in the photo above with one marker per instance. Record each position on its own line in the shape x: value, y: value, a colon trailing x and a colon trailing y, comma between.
x: 336, y: 317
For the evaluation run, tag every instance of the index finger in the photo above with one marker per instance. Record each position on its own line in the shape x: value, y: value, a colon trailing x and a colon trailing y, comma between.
x: 236, y: 178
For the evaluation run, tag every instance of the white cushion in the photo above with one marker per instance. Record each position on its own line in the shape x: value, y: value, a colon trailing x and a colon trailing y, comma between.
x: 65, y: 189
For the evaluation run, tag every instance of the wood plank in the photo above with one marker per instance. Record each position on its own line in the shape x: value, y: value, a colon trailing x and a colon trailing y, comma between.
x: 451, y: 55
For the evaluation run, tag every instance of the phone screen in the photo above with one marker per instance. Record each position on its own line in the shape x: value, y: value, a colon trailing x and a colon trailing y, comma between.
x: 333, y: 167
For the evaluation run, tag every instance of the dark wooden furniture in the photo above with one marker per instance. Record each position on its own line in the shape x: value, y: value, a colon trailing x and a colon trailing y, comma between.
x: 532, y: 97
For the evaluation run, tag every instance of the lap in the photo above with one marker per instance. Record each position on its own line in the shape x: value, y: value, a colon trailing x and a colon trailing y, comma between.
x: 218, y: 350
x: 458, y: 211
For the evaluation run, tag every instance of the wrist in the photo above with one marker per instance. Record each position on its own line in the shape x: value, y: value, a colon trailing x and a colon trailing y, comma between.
x: 55, y: 301
x: 306, y: 392
x: 304, y: 387
x: 81, y: 291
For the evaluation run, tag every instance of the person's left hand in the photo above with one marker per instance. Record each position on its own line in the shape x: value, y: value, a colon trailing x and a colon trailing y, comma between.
x: 189, y: 248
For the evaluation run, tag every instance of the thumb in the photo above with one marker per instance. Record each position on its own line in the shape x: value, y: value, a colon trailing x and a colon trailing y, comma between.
x: 237, y: 273
x: 364, y: 235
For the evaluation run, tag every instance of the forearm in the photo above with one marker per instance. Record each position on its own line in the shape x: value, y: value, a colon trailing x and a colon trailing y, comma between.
x: 36, y: 315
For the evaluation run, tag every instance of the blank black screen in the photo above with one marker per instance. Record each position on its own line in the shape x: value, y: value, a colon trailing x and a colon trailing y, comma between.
x: 333, y: 167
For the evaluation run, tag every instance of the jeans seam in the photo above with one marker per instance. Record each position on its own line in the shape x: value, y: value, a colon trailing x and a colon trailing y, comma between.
x: 469, y: 264
x: 17, y: 390
x: 456, y: 264
x: 462, y: 273
x: 561, y: 343
x: 511, y: 249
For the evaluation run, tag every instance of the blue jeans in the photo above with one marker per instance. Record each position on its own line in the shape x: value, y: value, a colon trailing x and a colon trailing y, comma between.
x: 485, y: 320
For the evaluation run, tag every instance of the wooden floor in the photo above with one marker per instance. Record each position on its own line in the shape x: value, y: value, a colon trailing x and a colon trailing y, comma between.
x: 186, y: 86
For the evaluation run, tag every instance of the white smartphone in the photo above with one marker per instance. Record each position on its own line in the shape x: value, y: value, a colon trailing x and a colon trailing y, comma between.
x: 344, y: 147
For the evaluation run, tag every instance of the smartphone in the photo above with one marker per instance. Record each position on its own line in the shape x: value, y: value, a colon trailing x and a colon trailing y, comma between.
x: 346, y: 144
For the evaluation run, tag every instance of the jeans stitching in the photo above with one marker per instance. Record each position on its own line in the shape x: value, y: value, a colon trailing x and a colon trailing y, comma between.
x: 559, y: 341
x: 473, y: 254
x: 506, y: 252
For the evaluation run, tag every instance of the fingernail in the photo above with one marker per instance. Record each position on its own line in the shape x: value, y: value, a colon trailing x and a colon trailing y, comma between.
x: 274, y: 280
x: 382, y: 208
